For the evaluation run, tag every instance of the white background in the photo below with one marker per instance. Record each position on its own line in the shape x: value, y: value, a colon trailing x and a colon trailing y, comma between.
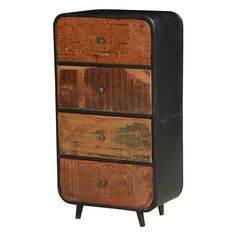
x: 29, y: 202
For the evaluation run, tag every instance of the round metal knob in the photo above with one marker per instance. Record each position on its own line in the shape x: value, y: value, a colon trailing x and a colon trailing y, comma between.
x: 101, y: 90
x: 101, y: 40
x: 103, y: 183
x: 101, y: 137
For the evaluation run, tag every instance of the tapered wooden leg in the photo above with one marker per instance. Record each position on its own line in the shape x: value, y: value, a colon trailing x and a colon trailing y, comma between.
x: 141, y: 218
x: 79, y: 210
x: 161, y: 210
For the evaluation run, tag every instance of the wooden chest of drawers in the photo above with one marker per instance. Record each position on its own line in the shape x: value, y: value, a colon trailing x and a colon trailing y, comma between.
x: 119, y: 108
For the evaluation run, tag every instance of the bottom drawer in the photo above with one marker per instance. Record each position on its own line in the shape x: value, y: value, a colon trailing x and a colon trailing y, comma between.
x: 103, y: 183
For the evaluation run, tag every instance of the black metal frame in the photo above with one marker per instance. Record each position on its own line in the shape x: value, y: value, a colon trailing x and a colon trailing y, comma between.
x: 107, y: 160
x: 105, y: 113
x: 92, y: 64
x: 148, y: 16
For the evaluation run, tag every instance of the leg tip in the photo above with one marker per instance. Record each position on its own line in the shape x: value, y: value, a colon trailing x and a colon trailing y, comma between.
x: 141, y: 219
x: 161, y: 210
x: 79, y: 209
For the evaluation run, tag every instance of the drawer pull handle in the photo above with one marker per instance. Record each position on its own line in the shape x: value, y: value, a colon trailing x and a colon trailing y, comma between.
x: 101, y: 137
x: 101, y: 90
x: 103, y: 183
x: 101, y: 40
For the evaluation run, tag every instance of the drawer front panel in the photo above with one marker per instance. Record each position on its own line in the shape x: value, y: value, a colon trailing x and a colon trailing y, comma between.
x: 106, y: 183
x: 105, y: 89
x: 103, y: 40
x: 105, y: 137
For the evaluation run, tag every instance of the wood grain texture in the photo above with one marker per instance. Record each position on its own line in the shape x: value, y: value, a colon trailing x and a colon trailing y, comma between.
x: 125, y: 90
x: 106, y: 183
x: 105, y: 137
x: 126, y: 41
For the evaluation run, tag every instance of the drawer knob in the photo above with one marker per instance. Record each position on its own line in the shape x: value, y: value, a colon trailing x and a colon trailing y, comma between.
x: 101, y: 90
x: 101, y: 137
x: 103, y: 183
x: 101, y: 40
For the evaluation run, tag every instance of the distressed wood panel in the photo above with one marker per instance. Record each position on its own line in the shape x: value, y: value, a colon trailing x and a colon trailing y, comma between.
x: 106, y: 183
x: 125, y: 90
x: 126, y: 41
x: 105, y: 137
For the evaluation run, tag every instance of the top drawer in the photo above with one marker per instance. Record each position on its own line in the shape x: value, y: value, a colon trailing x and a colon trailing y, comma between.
x: 103, y: 40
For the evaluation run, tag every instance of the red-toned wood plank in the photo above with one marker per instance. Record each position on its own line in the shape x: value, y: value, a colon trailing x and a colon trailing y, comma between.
x: 125, y: 90
x: 106, y: 183
x: 127, y: 41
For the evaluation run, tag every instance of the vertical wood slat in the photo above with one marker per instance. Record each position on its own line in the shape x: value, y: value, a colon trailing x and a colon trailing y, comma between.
x: 126, y: 90
x: 125, y: 185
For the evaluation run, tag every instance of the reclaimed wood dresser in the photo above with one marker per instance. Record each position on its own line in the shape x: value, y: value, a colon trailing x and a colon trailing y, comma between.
x: 119, y: 108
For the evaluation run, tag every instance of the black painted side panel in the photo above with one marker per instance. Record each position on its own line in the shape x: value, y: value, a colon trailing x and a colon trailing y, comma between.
x: 170, y: 159
x: 169, y: 87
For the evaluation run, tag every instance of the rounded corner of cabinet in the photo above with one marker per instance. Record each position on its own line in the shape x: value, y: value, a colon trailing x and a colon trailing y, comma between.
x: 60, y: 193
x: 59, y: 189
x: 178, y: 17
x: 57, y: 18
x: 180, y: 189
x: 151, y: 206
